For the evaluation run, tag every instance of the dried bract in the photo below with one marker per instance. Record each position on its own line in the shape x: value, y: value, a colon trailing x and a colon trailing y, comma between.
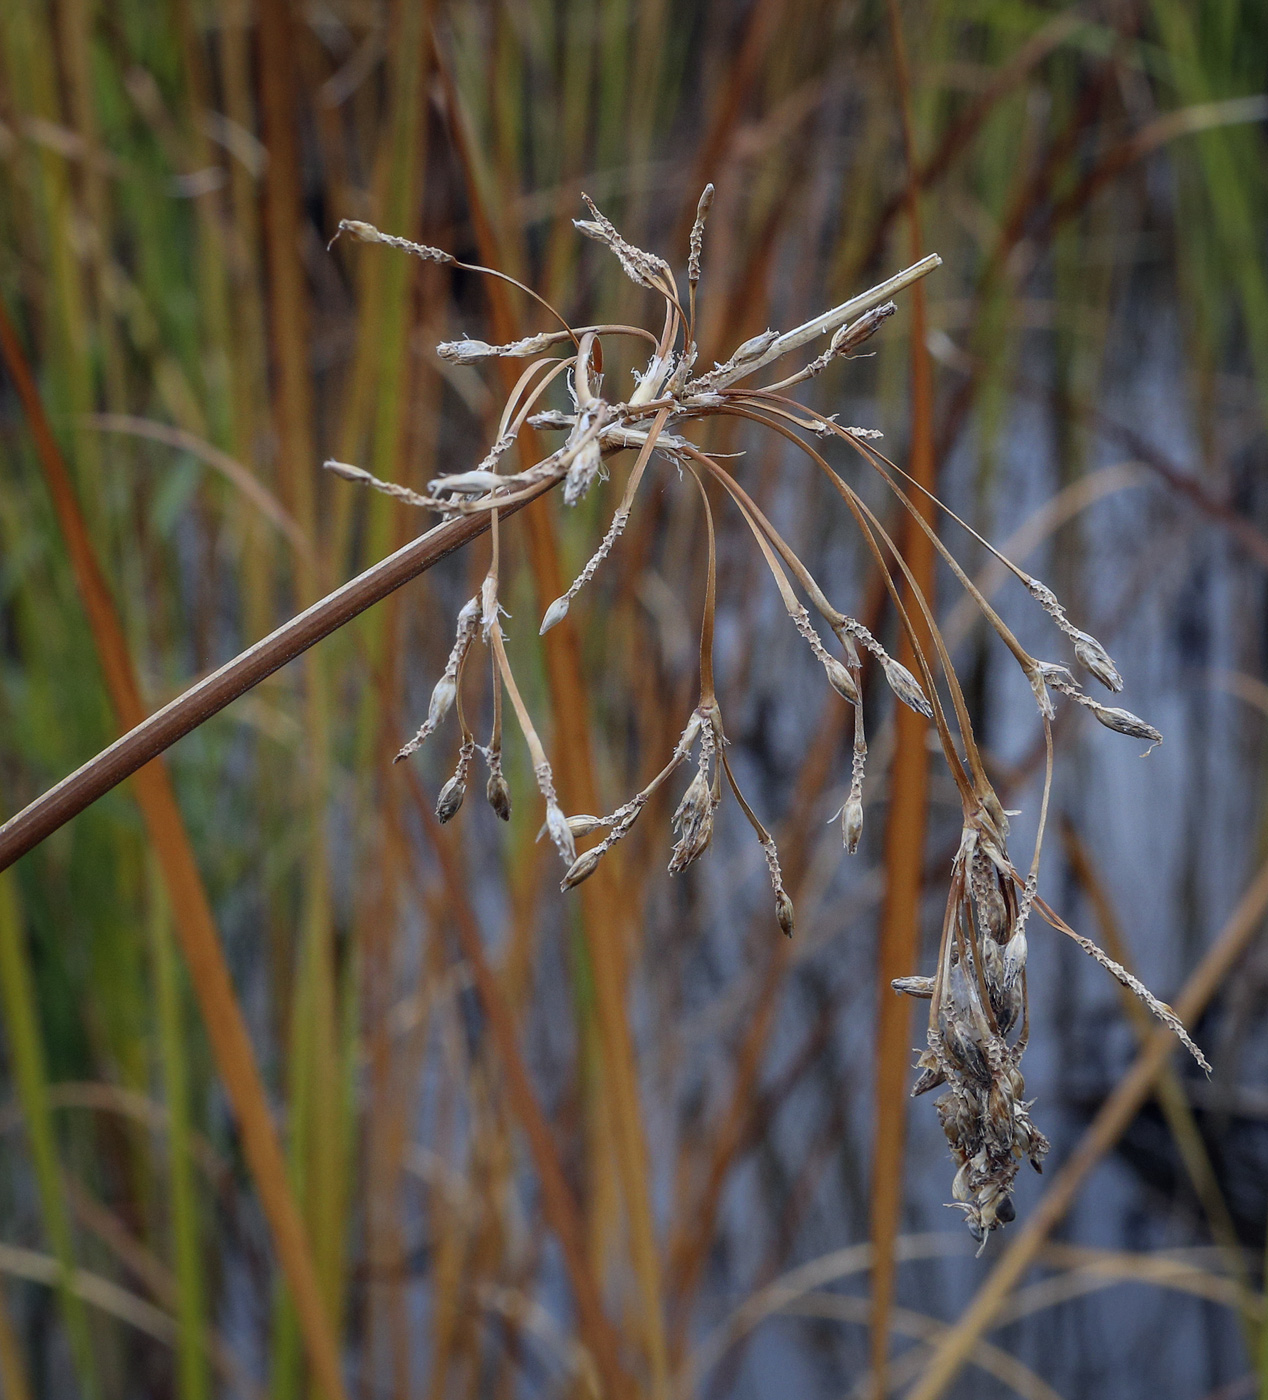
x: 693, y: 822
x: 906, y: 686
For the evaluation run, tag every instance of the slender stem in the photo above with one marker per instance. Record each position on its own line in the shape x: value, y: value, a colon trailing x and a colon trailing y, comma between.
x: 196, y: 705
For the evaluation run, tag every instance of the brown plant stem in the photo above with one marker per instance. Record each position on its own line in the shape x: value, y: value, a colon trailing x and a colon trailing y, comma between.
x: 151, y: 737
x: 905, y: 824
x: 1115, y: 1114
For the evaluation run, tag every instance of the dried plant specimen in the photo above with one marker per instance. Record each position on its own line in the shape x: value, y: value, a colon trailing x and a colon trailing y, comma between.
x: 978, y: 1020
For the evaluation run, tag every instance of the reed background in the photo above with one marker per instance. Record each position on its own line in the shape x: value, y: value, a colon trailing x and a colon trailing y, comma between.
x: 463, y: 1065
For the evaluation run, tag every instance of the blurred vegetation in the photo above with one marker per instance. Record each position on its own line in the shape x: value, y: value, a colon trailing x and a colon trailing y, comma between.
x: 435, y: 1027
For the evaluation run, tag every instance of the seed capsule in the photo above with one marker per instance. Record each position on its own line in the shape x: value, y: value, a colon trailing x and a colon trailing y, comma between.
x: 498, y: 793
x: 852, y: 823
x: 560, y: 833
x: 582, y: 868
x: 921, y: 987
x: 852, y: 336
x: 450, y: 799
x: 556, y: 613
x: 840, y: 680
x: 754, y: 347
x: 1127, y: 723
x: 693, y: 823
x: 784, y: 912
x: 442, y: 698
x: 1094, y: 658
x: 464, y: 352
x: 906, y: 686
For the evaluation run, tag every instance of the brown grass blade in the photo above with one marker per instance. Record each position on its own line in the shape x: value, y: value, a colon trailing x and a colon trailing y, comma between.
x: 209, y: 973
x: 1109, y: 1124
x: 905, y: 826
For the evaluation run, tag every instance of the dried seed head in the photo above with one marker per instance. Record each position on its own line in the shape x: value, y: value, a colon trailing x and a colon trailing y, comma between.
x: 555, y: 614
x: 754, y: 346
x: 450, y: 799
x: 693, y: 823
x: 585, y: 466
x: 585, y: 826
x: 852, y: 822
x: 840, y: 679
x: 442, y: 698
x: 1014, y: 957
x: 358, y: 229
x: 475, y: 483
x: 560, y: 834
x: 498, y: 792
x: 465, y: 351
x: 1094, y: 658
x: 697, y: 234
x: 347, y: 471
x: 1127, y: 723
x: 852, y: 336
x: 582, y: 868
x: 367, y: 233
x: 784, y: 911
x: 921, y: 987
x: 647, y: 269
x: 905, y: 686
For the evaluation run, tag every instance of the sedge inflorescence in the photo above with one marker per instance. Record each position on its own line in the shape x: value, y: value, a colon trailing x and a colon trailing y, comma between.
x: 978, y: 1020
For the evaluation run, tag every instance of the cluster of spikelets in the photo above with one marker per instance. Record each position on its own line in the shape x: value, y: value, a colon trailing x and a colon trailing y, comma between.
x: 978, y: 1022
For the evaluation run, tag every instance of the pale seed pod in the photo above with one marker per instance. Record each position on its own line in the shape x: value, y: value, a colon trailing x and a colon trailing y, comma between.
x: 586, y: 465
x: 840, y: 679
x: 585, y: 826
x: 498, y: 793
x: 852, y: 336
x: 358, y: 229
x: 582, y: 868
x: 754, y: 347
x: 1014, y: 957
x: 347, y: 470
x: 693, y: 821
x: 560, y: 833
x: 784, y: 912
x: 442, y: 698
x: 465, y: 352
x: 852, y: 823
x: 921, y: 987
x: 1094, y: 658
x: 1127, y: 723
x: 450, y: 799
x: 555, y: 614
x: 906, y: 686
x: 473, y: 483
